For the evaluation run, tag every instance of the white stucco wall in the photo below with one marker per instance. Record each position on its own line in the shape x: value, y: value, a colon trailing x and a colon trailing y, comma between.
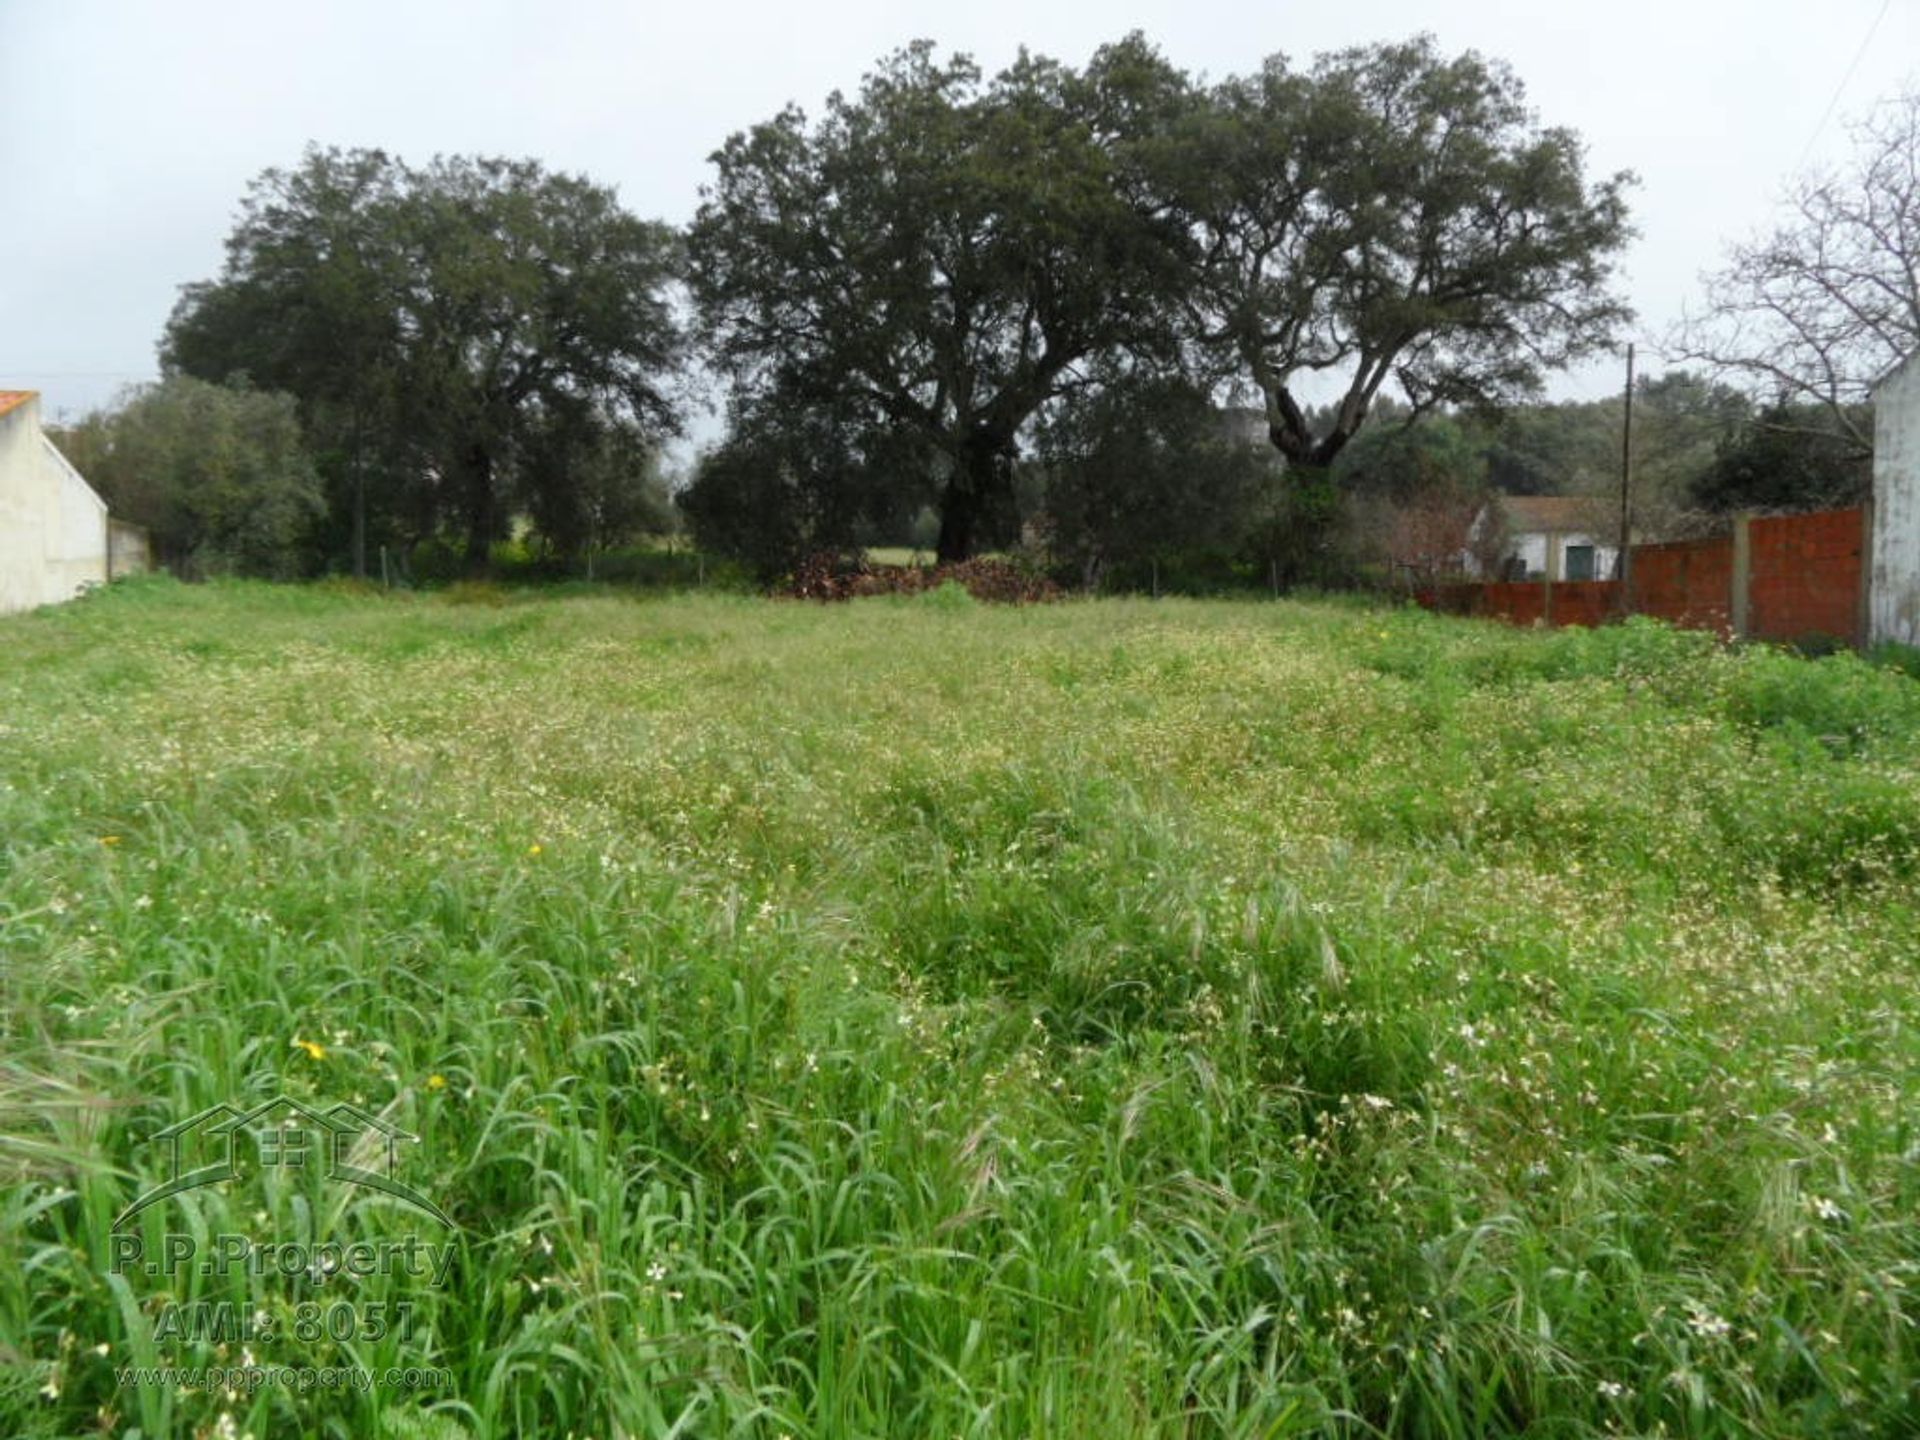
x: 1530, y: 546
x: 1893, y: 595
x: 53, y: 528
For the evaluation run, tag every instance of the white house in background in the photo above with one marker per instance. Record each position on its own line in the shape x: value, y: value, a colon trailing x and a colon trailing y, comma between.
x: 53, y: 528
x: 1544, y: 537
x: 1893, y: 587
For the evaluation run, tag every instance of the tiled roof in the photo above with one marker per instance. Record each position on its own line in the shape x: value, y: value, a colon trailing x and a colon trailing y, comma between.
x: 1532, y: 514
x: 11, y: 399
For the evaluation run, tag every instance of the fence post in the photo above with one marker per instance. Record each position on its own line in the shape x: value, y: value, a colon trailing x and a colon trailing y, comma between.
x: 1551, y: 570
x: 1740, y: 583
x: 1623, y: 576
x: 1863, y: 618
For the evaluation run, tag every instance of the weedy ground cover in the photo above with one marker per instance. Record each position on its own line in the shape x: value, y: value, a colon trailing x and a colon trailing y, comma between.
x: 914, y: 1018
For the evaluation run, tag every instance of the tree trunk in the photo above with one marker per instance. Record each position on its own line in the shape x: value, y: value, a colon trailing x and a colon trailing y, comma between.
x: 958, y: 523
x: 359, y: 520
x: 977, y: 509
x: 480, y: 516
x: 1288, y: 430
x: 359, y: 504
x: 1312, y: 522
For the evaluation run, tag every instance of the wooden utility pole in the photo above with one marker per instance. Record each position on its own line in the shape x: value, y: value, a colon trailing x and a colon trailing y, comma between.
x: 1623, y: 567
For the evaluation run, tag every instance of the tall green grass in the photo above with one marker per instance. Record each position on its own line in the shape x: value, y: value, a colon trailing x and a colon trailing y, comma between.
x: 906, y: 1018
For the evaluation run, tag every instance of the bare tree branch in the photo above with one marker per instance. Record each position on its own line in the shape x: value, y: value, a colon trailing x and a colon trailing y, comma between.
x: 1830, y: 300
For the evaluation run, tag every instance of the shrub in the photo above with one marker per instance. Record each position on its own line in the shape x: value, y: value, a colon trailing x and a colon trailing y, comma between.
x: 833, y: 575
x: 1842, y: 700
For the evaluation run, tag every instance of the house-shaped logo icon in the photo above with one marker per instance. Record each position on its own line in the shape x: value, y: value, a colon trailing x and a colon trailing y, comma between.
x: 342, y: 1142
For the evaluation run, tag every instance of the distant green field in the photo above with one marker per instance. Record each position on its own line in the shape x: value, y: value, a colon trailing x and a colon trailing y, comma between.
x: 897, y: 555
x: 907, y: 1018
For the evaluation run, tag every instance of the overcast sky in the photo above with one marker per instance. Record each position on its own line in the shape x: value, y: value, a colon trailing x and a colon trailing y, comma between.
x: 129, y: 130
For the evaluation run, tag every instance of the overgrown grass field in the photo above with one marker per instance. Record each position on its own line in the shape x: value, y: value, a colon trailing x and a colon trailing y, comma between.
x: 912, y: 1018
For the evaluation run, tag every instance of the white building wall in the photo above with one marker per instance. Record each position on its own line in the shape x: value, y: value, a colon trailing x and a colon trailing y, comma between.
x: 22, y: 526
x: 1530, y: 547
x: 53, y: 528
x: 1893, y: 595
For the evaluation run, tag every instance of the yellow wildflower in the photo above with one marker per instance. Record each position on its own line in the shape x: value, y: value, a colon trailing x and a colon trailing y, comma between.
x: 533, y: 849
x: 436, y: 1082
x: 315, y: 1050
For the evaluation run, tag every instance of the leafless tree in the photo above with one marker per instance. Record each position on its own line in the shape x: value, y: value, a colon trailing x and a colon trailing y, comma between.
x: 1815, y: 311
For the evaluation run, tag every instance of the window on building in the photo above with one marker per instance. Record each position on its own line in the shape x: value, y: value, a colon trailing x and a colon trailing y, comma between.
x: 1579, y: 562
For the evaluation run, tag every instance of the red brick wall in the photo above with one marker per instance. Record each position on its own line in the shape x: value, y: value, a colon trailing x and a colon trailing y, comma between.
x: 1520, y: 604
x: 1689, y: 582
x: 1584, y: 602
x: 1524, y: 602
x: 1804, y: 578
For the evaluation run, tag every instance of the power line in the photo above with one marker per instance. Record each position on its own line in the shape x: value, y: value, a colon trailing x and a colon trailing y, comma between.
x: 1845, y: 80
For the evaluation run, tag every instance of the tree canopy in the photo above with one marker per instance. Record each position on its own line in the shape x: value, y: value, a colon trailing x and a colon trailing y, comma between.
x: 434, y: 322
x: 792, y: 479
x: 1392, y: 214
x: 220, y: 477
x: 1139, y: 471
x: 943, y: 255
x: 940, y: 273
x: 950, y: 256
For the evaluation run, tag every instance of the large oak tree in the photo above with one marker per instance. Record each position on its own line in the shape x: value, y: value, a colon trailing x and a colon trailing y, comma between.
x: 951, y: 257
x: 431, y: 320
x: 942, y: 256
x: 1393, y: 217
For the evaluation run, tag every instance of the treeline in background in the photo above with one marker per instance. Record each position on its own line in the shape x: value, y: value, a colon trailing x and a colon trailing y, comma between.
x: 1132, y: 329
